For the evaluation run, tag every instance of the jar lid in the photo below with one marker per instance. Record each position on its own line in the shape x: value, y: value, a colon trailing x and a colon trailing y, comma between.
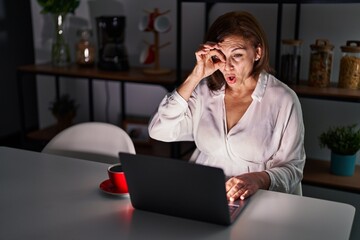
x: 351, y: 46
x: 85, y: 33
x: 322, y: 45
x: 292, y: 42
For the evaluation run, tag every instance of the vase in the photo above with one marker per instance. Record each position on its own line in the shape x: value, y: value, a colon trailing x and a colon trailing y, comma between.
x: 60, y: 52
x: 342, y: 165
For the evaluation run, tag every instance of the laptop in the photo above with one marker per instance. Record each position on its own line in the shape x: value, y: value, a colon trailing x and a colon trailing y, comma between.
x: 179, y: 188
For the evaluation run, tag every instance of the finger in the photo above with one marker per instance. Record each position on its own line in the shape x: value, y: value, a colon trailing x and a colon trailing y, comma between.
x: 234, y: 197
x: 237, y: 195
x: 230, y: 183
x: 199, y: 56
x: 201, y: 52
x: 217, y: 56
x: 207, y: 47
x: 235, y: 192
x: 234, y: 182
x: 232, y: 191
x: 211, y: 45
x: 245, y: 195
x: 202, y: 55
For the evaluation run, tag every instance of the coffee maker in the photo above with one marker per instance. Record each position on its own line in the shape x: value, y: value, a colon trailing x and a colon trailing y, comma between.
x: 111, y: 46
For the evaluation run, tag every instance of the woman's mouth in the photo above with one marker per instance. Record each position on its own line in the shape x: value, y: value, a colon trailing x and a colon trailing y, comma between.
x: 231, y: 79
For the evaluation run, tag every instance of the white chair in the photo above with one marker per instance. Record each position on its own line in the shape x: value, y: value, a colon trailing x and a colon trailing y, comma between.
x: 94, y: 141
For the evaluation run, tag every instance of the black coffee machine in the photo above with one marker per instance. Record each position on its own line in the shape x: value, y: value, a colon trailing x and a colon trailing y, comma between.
x: 111, y: 37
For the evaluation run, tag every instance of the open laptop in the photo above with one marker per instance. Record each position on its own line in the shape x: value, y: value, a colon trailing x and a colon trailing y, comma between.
x: 179, y: 188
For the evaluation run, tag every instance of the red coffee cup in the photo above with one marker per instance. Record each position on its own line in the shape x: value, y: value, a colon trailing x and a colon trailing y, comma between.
x: 117, y: 177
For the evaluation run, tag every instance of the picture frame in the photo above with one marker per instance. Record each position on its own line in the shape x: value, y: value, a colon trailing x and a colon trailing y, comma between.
x: 137, y: 129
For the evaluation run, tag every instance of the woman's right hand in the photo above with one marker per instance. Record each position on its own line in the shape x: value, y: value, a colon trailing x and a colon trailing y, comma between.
x: 209, y: 58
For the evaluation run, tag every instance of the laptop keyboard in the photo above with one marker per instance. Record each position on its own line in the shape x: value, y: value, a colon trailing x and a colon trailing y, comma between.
x: 232, y: 208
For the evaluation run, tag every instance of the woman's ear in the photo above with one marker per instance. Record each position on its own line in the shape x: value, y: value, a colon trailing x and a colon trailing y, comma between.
x: 258, y: 53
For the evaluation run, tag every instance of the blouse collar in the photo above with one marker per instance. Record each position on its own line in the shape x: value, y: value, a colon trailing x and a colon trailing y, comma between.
x: 259, y: 90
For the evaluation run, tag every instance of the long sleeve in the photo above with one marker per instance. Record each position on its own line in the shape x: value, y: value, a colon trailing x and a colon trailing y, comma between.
x: 172, y: 121
x: 285, y: 168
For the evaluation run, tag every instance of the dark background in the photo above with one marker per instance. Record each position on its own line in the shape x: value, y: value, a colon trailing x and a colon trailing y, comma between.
x: 16, y: 48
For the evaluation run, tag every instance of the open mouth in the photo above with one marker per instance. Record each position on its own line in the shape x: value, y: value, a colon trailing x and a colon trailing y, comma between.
x: 231, y: 79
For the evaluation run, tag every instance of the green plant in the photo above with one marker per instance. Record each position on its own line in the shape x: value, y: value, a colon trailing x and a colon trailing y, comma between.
x: 63, y: 106
x: 344, y: 140
x: 58, y: 6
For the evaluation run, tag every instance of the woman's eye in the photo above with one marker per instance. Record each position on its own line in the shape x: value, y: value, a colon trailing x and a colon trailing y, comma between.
x: 238, y: 55
x: 215, y: 59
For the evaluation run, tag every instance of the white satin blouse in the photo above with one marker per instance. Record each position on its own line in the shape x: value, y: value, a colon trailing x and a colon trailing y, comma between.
x: 269, y: 137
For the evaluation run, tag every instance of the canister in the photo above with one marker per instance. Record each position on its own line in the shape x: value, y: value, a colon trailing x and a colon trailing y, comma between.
x: 290, y: 61
x: 321, y: 61
x: 85, y: 50
x: 349, y: 75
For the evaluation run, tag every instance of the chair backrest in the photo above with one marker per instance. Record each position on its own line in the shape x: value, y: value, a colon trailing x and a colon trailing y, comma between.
x: 95, y: 141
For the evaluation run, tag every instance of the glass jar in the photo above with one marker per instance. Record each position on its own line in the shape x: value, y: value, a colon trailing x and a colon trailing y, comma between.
x: 85, y: 50
x: 321, y: 60
x: 290, y: 61
x: 349, y: 76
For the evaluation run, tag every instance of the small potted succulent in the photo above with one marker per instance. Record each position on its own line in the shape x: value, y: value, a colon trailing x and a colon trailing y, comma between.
x: 64, y: 110
x: 344, y: 143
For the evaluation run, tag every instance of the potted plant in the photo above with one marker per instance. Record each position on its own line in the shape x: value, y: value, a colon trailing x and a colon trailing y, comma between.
x: 344, y: 143
x: 58, y: 6
x: 64, y: 110
x: 60, y: 51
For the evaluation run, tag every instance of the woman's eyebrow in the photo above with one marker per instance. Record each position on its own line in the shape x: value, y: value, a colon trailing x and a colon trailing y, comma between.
x: 238, y: 48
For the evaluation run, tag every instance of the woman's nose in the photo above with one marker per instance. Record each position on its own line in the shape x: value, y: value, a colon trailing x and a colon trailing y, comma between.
x: 228, y: 65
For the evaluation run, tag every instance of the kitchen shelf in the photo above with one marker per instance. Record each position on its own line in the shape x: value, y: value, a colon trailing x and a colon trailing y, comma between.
x: 75, y: 73
x: 328, y: 93
x: 317, y: 172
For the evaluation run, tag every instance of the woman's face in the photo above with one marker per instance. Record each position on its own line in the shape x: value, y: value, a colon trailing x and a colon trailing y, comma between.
x: 240, y: 56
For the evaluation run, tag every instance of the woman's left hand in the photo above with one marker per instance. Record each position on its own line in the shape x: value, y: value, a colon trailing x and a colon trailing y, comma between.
x: 246, y: 185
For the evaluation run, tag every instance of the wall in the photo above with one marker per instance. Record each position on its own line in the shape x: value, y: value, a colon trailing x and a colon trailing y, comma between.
x: 338, y: 27
x: 336, y: 22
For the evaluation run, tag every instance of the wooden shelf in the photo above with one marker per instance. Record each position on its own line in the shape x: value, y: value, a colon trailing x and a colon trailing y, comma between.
x: 317, y: 172
x: 45, y: 134
x: 134, y: 74
x: 74, y: 72
x: 329, y: 93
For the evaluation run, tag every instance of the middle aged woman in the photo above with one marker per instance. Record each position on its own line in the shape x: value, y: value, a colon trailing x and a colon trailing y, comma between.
x: 241, y: 118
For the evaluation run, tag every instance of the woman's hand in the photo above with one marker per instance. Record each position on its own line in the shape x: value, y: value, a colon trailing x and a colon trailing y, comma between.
x: 209, y: 58
x: 246, y: 185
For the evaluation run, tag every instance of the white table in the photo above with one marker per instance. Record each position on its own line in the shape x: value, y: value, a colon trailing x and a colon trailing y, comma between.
x: 51, y: 197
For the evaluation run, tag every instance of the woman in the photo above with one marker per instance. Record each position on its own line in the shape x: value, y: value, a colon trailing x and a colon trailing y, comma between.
x: 241, y: 118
